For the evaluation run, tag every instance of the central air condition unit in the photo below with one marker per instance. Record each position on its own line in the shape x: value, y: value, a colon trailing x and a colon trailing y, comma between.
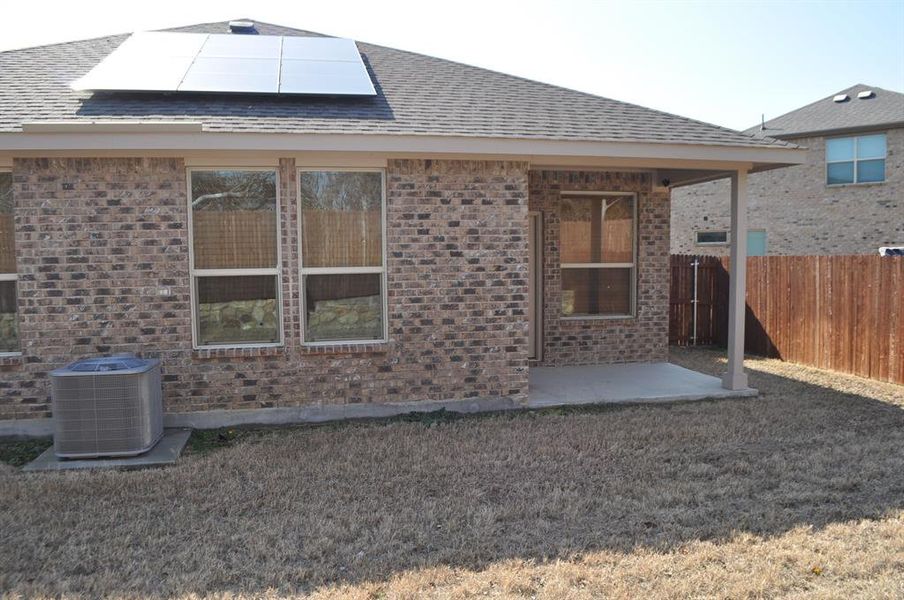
x: 109, y: 406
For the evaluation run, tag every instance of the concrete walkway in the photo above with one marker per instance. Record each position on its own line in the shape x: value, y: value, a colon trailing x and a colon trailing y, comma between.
x: 632, y: 382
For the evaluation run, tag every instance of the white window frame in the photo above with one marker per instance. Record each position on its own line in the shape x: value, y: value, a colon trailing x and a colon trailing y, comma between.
x: 632, y: 265
x: 856, y: 159
x: 302, y: 270
x: 699, y: 243
x: 194, y: 274
x: 14, y: 277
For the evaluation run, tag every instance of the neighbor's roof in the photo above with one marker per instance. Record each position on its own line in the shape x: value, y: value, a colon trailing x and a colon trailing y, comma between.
x: 417, y: 95
x: 826, y: 115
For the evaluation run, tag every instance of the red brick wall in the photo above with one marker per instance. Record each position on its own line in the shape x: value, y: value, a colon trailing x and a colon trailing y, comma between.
x: 596, y: 341
x: 103, y: 264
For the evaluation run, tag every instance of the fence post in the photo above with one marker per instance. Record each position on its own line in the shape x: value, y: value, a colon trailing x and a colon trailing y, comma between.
x: 694, y: 302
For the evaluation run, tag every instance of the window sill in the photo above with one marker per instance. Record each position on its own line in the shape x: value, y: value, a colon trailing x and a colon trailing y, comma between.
x: 719, y: 244
x: 833, y: 186
x: 378, y: 347
x: 238, y: 351
x: 598, y: 318
x: 11, y: 359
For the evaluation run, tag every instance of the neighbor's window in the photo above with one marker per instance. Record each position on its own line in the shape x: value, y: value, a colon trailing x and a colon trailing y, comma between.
x: 342, y: 262
x: 235, y: 257
x: 712, y: 237
x: 598, y: 255
x: 858, y: 159
x: 9, y: 326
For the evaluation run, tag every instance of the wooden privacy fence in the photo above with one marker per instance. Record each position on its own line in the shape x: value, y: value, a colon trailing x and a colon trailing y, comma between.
x: 712, y: 286
x: 843, y: 313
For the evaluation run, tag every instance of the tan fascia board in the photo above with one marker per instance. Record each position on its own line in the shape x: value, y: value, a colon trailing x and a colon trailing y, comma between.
x: 539, y: 151
x: 112, y: 127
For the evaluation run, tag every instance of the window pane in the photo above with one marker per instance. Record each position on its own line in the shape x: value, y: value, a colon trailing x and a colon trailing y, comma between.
x: 234, y: 219
x: 712, y: 237
x: 596, y: 291
x: 597, y: 229
x: 341, y: 219
x: 840, y: 173
x: 7, y: 227
x: 343, y: 307
x: 9, y: 327
x: 840, y: 149
x: 870, y: 170
x: 871, y: 146
x: 237, y: 310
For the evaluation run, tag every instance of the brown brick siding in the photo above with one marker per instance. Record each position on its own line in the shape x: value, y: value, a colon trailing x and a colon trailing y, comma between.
x: 103, y: 264
x: 595, y: 341
x: 799, y: 212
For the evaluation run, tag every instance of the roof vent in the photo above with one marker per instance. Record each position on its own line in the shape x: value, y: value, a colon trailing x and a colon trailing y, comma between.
x: 866, y: 94
x: 841, y: 98
x: 242, y: 27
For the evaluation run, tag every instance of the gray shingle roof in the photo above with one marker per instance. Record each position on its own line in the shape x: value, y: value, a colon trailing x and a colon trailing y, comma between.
x: 416, y: 94
x: 885, y: 108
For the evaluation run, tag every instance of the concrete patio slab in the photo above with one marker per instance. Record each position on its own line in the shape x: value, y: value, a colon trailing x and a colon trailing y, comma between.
x: 624, y: 383
x: 164, y: 453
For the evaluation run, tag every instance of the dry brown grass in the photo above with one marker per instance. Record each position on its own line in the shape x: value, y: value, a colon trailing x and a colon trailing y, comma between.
x: 797, y: 493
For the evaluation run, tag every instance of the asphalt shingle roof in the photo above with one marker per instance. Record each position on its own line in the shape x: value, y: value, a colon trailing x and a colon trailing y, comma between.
x: 884, y: 108
x: 416, y: 94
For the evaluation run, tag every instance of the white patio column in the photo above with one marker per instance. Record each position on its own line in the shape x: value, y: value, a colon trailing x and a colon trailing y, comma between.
x: 735, y: 378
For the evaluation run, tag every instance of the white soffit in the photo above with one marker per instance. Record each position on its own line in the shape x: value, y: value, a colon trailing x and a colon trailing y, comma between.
x: 226, y: 63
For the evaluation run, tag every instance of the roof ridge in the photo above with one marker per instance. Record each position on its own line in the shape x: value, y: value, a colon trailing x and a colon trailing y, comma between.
x: 823, y: 99
x: 114, y: 35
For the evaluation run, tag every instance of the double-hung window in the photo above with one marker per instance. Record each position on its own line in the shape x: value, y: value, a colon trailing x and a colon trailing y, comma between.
x: 342, y: 255
x: 9, y: 326
x: 598, y: 254
x: 235, y: 259
x: 859, y: 159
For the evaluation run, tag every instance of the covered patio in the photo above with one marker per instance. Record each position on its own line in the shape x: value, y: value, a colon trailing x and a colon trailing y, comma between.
x: 623, y: 383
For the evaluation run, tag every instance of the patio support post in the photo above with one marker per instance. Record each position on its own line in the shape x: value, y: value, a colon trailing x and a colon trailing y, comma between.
x: 735, y: 378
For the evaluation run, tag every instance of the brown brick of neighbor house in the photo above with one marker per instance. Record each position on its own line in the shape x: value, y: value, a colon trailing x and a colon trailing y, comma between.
x: 594, y: 341
x: 103, y: 263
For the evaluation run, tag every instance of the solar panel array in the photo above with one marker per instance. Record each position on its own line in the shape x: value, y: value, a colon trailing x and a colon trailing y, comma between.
x: 223, y: 63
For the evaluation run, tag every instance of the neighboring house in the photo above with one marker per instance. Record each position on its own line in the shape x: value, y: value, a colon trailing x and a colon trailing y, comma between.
x: 430, y: 238
x: 847, y: 198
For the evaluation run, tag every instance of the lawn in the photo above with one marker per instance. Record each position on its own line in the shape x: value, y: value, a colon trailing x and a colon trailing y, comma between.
x: 797, y: 493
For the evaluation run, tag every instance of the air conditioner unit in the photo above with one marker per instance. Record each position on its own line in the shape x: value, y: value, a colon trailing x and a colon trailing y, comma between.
x: 109, y: 406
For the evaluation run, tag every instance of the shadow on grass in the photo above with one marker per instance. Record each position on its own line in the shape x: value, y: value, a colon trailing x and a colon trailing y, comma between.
x: 298, y: 509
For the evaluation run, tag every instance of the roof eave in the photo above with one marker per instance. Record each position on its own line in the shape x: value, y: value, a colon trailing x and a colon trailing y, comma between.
x: 836, y: 131
x: 132, y: 140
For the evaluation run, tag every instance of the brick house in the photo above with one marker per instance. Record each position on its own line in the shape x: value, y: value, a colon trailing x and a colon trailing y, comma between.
x: 290, y: 257
x: 846, y: 198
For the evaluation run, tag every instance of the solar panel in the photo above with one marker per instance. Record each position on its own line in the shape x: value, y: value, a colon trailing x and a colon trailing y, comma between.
x: 196, y: 62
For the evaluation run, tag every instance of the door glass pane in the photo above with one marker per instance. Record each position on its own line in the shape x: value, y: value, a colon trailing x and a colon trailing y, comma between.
x: 341, y: 219
x: 7, y: 226
x: 840, y: 149
x: 343, y: 307
x: 234, y: 219
x: 596, y: 292
x: 9, y: 327
x: 237, y: 310
x: 840, y: 173
x: 871, y: 146
x: 597, y: 229
x: 870, y: 170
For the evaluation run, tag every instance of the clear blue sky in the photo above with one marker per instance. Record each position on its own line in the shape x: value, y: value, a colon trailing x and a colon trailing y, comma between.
x: 722, y: 62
